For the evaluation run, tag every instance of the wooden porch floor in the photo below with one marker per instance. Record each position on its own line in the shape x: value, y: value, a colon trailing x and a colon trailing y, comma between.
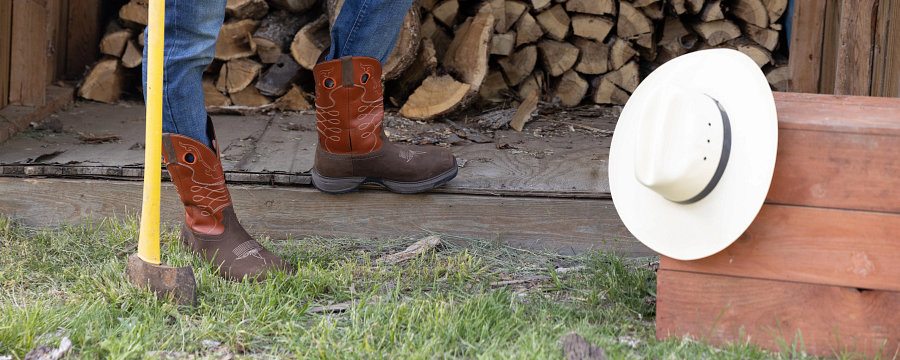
x: 545, y: 187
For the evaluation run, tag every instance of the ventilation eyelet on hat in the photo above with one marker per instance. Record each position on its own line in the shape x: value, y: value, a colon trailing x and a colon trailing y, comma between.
x: 328, y: 83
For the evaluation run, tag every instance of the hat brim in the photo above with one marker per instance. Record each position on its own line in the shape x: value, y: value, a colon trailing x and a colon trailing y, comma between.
x: 696, y: 230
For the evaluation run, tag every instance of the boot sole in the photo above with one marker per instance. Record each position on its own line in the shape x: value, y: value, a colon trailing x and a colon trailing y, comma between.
x: 350, y: 184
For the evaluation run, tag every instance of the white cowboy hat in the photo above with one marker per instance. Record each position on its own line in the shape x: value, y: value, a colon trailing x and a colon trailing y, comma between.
x: 693, y: 153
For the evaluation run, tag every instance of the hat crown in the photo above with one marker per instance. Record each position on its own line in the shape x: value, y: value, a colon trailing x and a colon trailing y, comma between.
x: 679, y: 143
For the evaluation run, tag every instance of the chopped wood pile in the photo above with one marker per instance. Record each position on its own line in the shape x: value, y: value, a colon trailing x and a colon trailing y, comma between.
x: 451, y: 54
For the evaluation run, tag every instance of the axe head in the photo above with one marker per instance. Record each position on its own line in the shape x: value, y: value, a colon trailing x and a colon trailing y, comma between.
x: 165, y: 281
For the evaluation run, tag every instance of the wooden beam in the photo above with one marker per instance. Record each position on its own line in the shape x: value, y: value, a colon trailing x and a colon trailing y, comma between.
x: 811, y: 245
x: 837, y: 152
x: 83, y: 36
x: 15, y: 118
x: 28, y: 64
x: 830, y: 42
x: 805, y: 58
x: 853, y: 75
x: 819, y: 319
x: 886, y: 69
x: 5, y: 39
x: 563, y: 225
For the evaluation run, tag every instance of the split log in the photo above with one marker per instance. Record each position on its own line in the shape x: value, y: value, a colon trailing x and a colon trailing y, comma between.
x: 557, y: 57
x: 133, y: 56
x: 635, y: 26
x: 467, y: 56
x: 607, y: 93
x: 759, y: 54
x: 514, y: 11
x: 527, y: 30
x: 439, y: 37
x: 275, y: 32
x: 279, y: 77
x: 141, y: 37
x: 446, y: 12
x: 775, y: 9
x: 425, y: 64
x: 712, y: 11
x: 765, y: 37
x: 518, y: 66
x: 571, y: 89
x: 620, y: 54
x: 134, y: 14
x: 626, y: 77
x: 249, y: 97
x: 235, y: 41
x: 212, y: 96
x: 594, y: 58
x: 555, y: 22
x: 717, y: 32
x: 436, y: 96
x: 294, y: 6
x: 686, y: 6
x: 676, y: 40
x: 294, y: 100
x: 105, y: 82
x: 595, y: 7
x: 246, y: 9
x: 540, y: 5
x: 525, y: 111
x: 654, y: 11
x: 406, y: 47
x: 778, y: 77
x: 498, y: 9
x: 533, y: 83
x: 591, y: 27
x: 751, y: 11
x: 503, y: 44
x: 114, y: 40
x: 310, y: 41
x: 493, y: 88
x: 237, y: 75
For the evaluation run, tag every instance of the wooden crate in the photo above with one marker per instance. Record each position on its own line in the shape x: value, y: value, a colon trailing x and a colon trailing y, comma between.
x: 818, y: 266
x: 845, y: 47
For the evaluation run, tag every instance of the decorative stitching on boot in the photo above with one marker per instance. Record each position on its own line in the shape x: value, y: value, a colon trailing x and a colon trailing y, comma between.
x: 248, y: 248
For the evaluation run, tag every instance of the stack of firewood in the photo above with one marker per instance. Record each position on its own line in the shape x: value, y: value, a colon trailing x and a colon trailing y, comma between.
x: 454, y: 53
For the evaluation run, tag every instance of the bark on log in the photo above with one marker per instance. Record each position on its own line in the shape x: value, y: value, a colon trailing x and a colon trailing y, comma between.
x: 280, y: 77
x: 275, y: 32
x: 467, y: 56
x: 294, y: 6
x: 406, y: 47
x: 246, y: 9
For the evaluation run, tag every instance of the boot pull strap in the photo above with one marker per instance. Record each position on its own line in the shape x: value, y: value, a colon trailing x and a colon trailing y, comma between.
x: 347, y: 71
x: 169, y: 149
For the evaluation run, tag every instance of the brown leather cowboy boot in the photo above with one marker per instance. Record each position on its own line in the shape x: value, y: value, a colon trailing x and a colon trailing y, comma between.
x: 211, y: 227
x: 352, y: 146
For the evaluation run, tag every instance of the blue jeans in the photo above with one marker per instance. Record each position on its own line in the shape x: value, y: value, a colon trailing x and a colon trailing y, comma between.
x: 363, y: 28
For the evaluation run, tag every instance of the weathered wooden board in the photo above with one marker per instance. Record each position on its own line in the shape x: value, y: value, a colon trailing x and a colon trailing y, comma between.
x: 826, y: 320
x: 886, y: 68
x: 563, y: 225
x: 14, y: 118
x: 83, y: 35
x: 29, y: 39
x: 811, y: 245
x: 805, y: 58
x: 837, y: 152
x: 287, y: 145
x: 854, y: 62
x: 5, y: 39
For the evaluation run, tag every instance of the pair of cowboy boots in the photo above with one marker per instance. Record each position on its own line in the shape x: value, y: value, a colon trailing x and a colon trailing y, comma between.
x: 352, y: 150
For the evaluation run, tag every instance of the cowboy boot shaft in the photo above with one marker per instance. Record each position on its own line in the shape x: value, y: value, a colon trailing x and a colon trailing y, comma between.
x: 349, y: 105
x: 197, y: 174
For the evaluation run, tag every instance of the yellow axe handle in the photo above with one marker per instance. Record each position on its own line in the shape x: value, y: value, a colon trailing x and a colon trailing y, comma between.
x: 148, y: 243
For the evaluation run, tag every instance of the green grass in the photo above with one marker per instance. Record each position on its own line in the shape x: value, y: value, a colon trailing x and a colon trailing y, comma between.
x: 440, y: 305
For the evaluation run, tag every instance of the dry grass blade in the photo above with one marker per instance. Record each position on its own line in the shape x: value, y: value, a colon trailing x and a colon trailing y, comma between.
x: 419, y: 247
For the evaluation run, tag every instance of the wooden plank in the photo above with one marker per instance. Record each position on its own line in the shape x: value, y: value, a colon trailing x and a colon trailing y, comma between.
x: 821, y: 320
x: 28, y: 64
x: 5, y: 39
x: 886, y: 70
x: 805, y: 59
x: 830, y: 43
x: 562, y: 225
x: 837, y: 152
x: 811, y: 245
x: 15, y: 118
x: 287, y: 145
x: 83, y: 36
x: 853, y: 75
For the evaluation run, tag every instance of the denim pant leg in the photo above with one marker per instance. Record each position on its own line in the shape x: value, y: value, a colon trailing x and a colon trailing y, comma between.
x: 367, y: 28
x: 192, y: 27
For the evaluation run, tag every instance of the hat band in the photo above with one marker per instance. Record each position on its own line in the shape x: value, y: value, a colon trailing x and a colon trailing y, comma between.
x: 723, y: 160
